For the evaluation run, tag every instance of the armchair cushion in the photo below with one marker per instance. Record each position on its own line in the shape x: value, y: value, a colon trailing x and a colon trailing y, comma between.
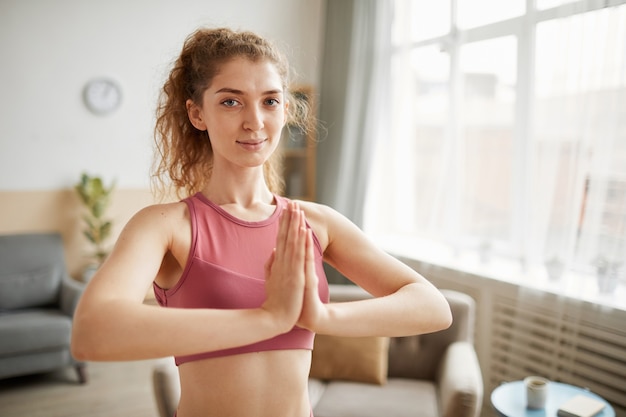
x: 359, y: 359
x: 398, y: 398
x: 30, y: 288
x: 35, y: 330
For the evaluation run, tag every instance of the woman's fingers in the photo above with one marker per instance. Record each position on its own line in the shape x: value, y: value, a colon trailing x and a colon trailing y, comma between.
x: 310, y: 272
x: 285, y: 268
x: 283, y: 229
x: 312, y: 307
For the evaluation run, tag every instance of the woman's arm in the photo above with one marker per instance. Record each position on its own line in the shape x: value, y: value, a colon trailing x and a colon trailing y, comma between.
x: 112, y: 323
x: 405, y: 302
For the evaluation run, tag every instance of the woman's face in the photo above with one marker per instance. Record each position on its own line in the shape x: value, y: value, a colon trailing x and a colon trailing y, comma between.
x: 244, y: 111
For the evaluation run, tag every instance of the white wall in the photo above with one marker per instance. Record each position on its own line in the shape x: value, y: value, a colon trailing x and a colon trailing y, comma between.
x: 50, y: 48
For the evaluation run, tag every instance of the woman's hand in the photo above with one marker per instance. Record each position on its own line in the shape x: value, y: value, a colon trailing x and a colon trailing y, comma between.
x: 313, y: 310
x: 285, y: 269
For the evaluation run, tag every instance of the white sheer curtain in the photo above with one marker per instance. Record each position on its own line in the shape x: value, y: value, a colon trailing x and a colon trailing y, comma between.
x: 579, y: 143
x: 508, y: 141
x: 353, y: 100
x: 353, y: 103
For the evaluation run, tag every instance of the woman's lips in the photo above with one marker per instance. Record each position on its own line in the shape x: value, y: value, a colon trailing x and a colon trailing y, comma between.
x: 252, y: 145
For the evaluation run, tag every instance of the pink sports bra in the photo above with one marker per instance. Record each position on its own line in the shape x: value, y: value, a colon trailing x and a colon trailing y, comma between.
x: 225, y: 270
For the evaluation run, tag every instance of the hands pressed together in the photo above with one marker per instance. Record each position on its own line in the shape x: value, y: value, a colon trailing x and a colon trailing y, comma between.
x: 291, y: 282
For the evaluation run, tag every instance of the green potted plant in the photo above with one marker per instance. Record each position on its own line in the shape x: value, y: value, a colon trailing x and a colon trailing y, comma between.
x: 96, y: 197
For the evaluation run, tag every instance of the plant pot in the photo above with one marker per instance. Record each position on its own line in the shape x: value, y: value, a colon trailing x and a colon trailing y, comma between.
x: 555, y: 269
x: 607, y: 283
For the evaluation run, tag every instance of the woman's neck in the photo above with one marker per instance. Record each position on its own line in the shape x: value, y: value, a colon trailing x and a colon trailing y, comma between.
x: 244, y: 187
x: 250, y: 202
x: 244, y: 192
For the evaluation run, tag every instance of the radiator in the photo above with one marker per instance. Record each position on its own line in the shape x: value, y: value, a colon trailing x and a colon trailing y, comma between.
x: 521, y: 332
x: 560, y: 340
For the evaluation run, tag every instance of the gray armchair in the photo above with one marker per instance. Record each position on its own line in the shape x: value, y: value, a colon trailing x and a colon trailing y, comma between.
x: 37, y: 302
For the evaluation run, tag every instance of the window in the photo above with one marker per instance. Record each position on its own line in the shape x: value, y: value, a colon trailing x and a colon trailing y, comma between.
x: 508, y: 134
x: 487, y: 120
x: 475, y: 13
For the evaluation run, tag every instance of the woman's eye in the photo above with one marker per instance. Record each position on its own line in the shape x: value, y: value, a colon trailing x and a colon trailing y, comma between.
x: 272, y: 102
x: 229, y: 103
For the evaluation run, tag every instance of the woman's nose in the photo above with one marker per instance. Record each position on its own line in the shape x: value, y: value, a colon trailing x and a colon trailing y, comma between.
x: 253, y: 118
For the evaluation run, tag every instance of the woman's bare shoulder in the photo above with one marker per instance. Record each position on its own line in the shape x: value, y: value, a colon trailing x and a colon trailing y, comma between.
x: 174, y: 209
x: 321, y: 218
x: 156, y: 229
x: 159, y: 215
x: 322, y: 213
x: 314, y: 210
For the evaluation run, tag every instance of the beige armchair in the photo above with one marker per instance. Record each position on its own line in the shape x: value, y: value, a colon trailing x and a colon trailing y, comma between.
x: 432, y: 375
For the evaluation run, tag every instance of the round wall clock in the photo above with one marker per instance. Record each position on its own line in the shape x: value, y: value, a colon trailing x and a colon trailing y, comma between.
x: 102, y: 95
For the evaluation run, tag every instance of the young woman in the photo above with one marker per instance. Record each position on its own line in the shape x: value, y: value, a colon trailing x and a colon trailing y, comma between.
x: 238, y: 267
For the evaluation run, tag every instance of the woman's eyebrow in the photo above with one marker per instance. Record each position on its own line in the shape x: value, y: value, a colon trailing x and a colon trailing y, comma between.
x: 239, y: 92
x: 229, y: 90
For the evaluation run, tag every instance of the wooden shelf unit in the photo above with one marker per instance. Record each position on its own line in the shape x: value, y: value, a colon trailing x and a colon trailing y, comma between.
x: 299, y: 153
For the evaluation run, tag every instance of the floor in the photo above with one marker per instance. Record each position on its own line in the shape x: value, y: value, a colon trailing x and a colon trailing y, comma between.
x: 115, y: 389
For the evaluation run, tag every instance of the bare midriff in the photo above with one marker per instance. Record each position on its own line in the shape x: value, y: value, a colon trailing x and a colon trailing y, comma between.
x: 261, y: 384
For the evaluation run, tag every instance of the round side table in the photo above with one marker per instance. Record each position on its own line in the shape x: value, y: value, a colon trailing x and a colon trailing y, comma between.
x: 509, y: 400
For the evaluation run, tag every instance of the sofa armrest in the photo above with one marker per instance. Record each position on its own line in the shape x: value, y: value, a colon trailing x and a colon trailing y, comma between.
x: 460, y: 381
x: 71, y: 290
x: 166, y: 387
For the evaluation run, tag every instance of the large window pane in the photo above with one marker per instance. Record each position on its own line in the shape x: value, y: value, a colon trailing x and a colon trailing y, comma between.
x: 414, y: 160
x: 417, y: 20
x: 473, y: 13
x: 547, y: 4
x: 431, y: 69
x: 584, y: 52
x: 488, y: 114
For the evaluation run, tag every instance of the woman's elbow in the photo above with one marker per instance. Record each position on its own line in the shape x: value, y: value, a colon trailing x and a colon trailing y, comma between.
x: 440, y: 317
x: 79, y: 350
x: 442, y: 313
x: 80, y: 347
x: 444, y: 317
x: 85, y: 344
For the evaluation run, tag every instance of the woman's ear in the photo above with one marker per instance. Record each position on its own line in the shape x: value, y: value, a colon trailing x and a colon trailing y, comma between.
x: 194, y: 112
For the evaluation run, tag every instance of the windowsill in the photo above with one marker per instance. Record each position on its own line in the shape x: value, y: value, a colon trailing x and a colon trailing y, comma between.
x: 571, y: 284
